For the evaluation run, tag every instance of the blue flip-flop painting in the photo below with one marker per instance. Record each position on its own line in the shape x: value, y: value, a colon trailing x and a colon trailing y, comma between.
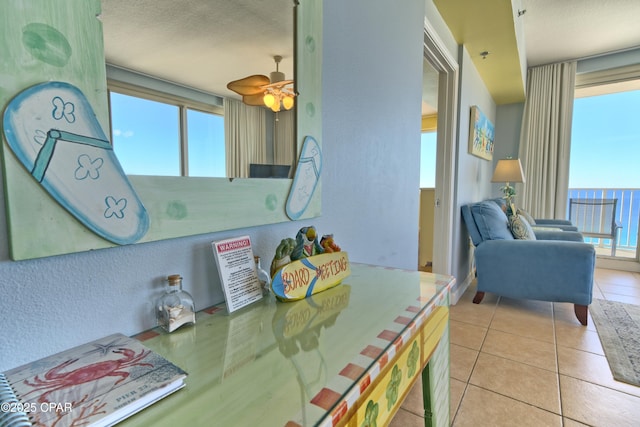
x: 54, y: 133
x: 305, y: 179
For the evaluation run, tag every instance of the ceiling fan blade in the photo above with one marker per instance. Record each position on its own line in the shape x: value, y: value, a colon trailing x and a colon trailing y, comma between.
x: 250, y: 85
x: 256, y: 100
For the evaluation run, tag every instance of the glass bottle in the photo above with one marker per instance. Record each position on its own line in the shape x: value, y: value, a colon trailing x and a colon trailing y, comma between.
x: 175, y: 307
x: 263, y: 277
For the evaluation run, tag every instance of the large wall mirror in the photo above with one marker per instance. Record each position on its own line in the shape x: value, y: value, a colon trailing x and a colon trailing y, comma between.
x: 169, y: 65
x: 176, y: 205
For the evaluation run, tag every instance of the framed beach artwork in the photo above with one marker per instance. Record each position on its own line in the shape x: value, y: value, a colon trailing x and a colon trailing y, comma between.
x: 481, y: 134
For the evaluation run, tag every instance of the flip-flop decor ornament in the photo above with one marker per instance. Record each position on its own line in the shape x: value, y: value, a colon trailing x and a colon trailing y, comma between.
x: 54, y: 133
x: 306, y: 178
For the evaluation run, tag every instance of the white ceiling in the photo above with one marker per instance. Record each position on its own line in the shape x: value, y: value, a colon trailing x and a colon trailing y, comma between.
x: 204, y: 44
x: 557, y: 30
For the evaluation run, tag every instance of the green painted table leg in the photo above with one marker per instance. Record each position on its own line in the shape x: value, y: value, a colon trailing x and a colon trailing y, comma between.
x: 436, y: 385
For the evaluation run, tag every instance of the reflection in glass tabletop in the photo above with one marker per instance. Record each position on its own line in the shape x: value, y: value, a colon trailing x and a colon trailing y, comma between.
x: 274, y: 363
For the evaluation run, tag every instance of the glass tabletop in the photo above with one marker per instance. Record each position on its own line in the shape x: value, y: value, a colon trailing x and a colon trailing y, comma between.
x: 290, y: 363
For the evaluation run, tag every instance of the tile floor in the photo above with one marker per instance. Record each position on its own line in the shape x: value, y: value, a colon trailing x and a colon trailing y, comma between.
x: 531, y: 363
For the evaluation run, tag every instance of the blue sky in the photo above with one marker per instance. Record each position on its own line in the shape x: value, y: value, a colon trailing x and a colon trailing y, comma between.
x: 146, y: 138
x: 605, y: 144
x: 428, y: 160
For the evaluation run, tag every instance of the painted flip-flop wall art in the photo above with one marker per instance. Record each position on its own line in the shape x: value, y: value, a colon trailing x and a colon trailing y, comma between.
x: 305, y: 179
x: 65, y: 190
x: 53, y: 131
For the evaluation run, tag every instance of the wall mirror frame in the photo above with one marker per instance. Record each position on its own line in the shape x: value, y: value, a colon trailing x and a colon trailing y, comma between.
x: 38, y: 226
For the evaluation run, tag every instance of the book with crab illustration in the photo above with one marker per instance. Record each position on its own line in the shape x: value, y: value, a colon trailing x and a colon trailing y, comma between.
x: 95, y: 384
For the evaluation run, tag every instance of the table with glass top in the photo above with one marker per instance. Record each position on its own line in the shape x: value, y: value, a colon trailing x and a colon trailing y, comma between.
x: 343, y: 357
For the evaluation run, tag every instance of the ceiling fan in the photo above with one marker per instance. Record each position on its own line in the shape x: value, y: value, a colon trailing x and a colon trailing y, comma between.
x: 260, y: 90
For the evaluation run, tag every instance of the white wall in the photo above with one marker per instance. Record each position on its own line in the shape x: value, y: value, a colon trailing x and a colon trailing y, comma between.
x: 606, y: 62
x: 372, y: 76
x: 432, y: 15
x: 474, y: 173
x: 371, y: 111
x: 508, y: 123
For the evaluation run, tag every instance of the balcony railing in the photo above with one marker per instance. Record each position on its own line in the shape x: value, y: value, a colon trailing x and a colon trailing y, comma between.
x: 627, y: 212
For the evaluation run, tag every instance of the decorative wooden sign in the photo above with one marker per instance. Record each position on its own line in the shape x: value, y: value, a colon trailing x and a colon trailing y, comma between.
x: 308, y: 276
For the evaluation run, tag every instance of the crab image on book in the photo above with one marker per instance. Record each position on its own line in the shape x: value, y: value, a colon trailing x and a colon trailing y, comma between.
x: 307, y: 265
x: 99, y: 383
x: 54, y: 133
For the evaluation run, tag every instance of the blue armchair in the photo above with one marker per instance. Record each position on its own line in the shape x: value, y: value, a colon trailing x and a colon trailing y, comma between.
x: 541, y: 223
x: 553, y: 266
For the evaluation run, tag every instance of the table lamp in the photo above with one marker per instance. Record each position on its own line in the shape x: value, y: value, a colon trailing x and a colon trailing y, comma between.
x: 508, y: 170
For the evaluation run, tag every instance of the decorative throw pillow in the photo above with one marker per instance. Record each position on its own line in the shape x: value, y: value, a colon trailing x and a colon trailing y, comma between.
x: 526, y: 216
x: 520, y: 228
x: 492, y: 223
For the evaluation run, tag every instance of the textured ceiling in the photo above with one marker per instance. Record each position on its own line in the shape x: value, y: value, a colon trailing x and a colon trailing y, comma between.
x: 202, y: 44
x: 554, y: 30
x: 558, y: 30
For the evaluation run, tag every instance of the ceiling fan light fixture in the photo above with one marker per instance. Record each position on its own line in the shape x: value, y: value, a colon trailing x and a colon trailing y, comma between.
x: 287, y: 102
x: 269, y: 99
x: 273, y: 92
x: 276, y: 76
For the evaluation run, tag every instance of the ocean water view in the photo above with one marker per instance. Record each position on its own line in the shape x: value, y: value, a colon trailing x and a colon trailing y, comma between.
x: 603, y: 160
x: 627, y: 212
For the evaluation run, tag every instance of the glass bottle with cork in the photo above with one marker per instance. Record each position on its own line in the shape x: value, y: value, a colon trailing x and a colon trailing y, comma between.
x: 175, y: 308
x: 263, y: 277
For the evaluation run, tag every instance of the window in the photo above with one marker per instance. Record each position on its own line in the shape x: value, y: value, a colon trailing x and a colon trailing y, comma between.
x: 166, y: 137
x: 604, y: 153
x: 206, y: 144
x: 428, y: 148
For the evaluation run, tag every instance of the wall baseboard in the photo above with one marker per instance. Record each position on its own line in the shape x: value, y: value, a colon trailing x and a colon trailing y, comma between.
x: 460, y: 287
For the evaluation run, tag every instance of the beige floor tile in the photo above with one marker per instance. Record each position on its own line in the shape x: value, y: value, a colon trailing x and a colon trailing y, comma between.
x: 578, y: 337
x: 477, y: 314
x: 462, y: 361
x: 615, y: 277
x: 405, y: 418
x: 597, y: 293
x: 532, y: 321
x: 513, y: 380
x: 526, y: 306
x: 481, y: 407
x: 568, y: 422
x: 598, y: 406
x: 622, y: 298
x: 591, y: 367
x: 457, y: 391
x: 528, y: 384
x: 466, y: 334
x: 413, y: 402
x: 564, y: 312
x: 632, y: 291
x: 521, y: 349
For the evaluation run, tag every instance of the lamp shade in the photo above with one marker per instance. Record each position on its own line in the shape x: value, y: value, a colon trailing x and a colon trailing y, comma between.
x: 508, y: 170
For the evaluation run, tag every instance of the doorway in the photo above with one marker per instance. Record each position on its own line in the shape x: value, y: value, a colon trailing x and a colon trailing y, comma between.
x: 437, y: 56
x: 428, y: 151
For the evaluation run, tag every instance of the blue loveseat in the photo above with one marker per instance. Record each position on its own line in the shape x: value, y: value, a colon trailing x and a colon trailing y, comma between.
x: 551, y: 266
